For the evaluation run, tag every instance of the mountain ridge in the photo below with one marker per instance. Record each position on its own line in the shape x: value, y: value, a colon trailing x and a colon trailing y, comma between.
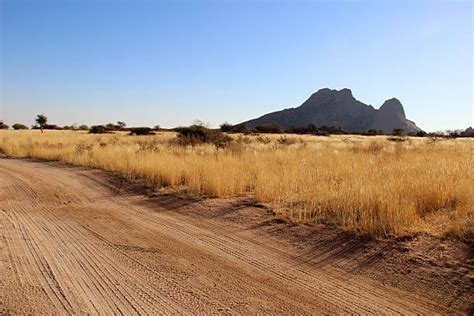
x: 340, y: 108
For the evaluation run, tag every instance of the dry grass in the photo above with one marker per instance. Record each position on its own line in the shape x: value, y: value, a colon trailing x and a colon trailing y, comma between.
x: 363, y: 184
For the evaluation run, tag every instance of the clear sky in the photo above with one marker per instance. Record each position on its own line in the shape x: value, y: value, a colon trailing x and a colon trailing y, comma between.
x: 171, y: 62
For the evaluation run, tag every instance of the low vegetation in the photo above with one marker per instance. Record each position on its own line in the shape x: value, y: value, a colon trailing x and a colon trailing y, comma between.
x: 362, y: 184
x: 18, y: 126
x: 197, y: 135
x: 141, y: 131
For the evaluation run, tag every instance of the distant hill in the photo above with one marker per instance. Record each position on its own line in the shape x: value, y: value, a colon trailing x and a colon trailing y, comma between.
x: 340, y: 109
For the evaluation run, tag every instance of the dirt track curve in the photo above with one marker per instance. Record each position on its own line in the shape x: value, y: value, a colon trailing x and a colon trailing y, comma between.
x: 72, y: 243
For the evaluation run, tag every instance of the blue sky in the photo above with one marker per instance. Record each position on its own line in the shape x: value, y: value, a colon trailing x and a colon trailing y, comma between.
x: 172, y: 62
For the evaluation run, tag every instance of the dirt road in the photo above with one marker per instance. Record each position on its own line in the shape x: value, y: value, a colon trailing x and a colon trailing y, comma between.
x: 73, y: 243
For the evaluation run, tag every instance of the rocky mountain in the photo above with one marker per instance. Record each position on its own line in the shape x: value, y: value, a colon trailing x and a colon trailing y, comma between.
x: 339, y: 108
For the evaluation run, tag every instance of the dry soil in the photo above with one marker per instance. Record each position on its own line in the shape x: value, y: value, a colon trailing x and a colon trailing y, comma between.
x: 77, y: 240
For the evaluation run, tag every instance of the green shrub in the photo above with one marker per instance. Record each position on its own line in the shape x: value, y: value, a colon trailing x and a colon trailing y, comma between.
x: 269, y: 128
x: 373, y: 132
x: 197, y: 134
x: 141, y: 131
x: 18, y: 126
x: 99, y: 129
x: 241, y: 128
x: 226, y: 127
x: 397, y: 132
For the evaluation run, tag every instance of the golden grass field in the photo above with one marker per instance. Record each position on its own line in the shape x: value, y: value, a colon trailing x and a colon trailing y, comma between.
x: 362, y: 184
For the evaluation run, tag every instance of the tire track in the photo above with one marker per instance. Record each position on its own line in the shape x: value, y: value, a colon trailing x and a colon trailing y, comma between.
x: 327, y: 286
x: 90, y: 290
x: 89, y: 252
x: 66, y: 225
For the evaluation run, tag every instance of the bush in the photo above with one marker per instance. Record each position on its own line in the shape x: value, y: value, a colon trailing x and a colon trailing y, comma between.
x: 373, y: 132
x: 398, y: 139
x: 286, y: 141
x: 313, y: 130
x: 99, y: 129
x: 3, y: 125
x: 197, y: 134
x: 454, y: 134
x: 18, y: 126
x: 309, y: 129
x: 241, y: 128
x: 469, y: 132
x: 83, y: 127
x: 269, y: 129
x: 141, y: 131
x: 112, y: 127
x: 47, y: 126
x: 397, y: 132
x: 330, y: 130
x: 226, y: 127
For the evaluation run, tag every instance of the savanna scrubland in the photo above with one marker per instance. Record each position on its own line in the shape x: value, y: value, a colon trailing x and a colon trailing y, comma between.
x: 380, y: 186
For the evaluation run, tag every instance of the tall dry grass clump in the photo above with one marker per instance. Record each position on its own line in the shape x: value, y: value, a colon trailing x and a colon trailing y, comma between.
x: 363, y: 184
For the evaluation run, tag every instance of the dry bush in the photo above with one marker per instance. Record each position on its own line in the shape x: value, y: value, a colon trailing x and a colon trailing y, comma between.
x: 263, y: 139
x: 362, y: 184
x: 286, y: 141
x: 243, y: 139
x: 196, y: 135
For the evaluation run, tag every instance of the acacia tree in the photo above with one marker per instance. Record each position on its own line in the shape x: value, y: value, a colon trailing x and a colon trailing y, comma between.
x: 41, y: 120
x: 121, y: 125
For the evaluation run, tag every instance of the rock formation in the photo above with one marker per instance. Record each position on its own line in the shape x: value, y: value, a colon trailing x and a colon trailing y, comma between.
x: 340, y: 109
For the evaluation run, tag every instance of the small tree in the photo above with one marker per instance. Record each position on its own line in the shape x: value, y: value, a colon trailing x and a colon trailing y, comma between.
x: 18, y: 126
x: 112, y: 127
x: 83, y: 127
x: 121, y: 125
x: 42, y: 121
x: 3, y: 125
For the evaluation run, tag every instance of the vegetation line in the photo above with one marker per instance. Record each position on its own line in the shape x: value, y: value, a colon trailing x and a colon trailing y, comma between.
x: 374, y: 185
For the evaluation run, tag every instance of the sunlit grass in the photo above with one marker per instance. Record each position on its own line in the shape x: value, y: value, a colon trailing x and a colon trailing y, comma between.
x: 363, y: 184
